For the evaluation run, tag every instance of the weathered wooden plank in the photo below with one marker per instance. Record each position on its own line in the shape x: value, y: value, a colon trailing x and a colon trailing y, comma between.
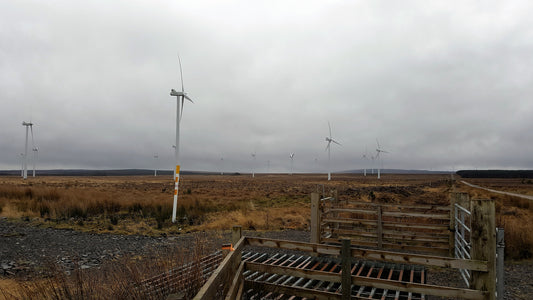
x: 442, y: 227
x: 441, y: 251
x: 354, y: 210
x: 415, y: 239
x: 445, y: 216
x: 366, y: 232
x: 351, y: 221
x: 439, y: 234
x: 379, y: 230
x: 360, y: 243
x: 346, y: 263
x: 484, y: 244
x: 235, y: 283
x: 425, y: 207
x: 292, y: 245
x: 315, y: 218
x: 222, y: 273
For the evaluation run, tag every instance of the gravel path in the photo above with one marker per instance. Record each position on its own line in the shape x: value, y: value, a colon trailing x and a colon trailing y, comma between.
x: 24, y: 248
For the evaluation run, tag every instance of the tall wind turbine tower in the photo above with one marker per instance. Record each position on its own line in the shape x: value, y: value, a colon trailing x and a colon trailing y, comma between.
x: 25, y: 168
x: 328, y: 148
x: 179, y: 112
x: 291, y: 156
x: 379, y: 150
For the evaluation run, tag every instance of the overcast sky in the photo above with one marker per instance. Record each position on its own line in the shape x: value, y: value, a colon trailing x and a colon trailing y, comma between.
x: 441, y: 84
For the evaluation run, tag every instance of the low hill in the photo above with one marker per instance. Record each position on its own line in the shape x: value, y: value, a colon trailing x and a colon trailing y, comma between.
x: 496, y: 173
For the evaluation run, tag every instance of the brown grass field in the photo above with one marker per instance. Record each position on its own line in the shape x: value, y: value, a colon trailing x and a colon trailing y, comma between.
x: 143, y: 204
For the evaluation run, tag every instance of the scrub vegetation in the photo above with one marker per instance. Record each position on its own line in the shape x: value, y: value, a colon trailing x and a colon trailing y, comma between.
x: 143, y: 204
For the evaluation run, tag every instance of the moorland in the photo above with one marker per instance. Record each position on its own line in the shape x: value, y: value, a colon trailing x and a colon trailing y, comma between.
x: 142, y: 205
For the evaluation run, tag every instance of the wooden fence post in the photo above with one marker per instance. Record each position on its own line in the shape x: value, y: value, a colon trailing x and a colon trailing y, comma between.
x: 380, y: 227
x: 315, y: 218
x: 483, y: 240
x: 236, y: 234
x: 346, y: 276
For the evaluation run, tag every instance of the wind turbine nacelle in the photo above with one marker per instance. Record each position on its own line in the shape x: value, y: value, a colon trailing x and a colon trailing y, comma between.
x: 173, y: 92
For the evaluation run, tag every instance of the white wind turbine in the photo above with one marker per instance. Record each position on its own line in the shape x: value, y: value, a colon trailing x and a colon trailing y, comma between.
x: 378, y: 156
x: 365, y: 158
x: 328, y: 148
x: 253, y: 164
x: 25, y: 164
x: 291, y: 156
x: 179, y: 112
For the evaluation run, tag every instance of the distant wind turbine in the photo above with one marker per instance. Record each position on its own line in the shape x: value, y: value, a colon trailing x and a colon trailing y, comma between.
x: 328, y: 148
x: 179, y: 112
x: 365, y: 157
x: 28, y: 127
x: 379, y: 150
x: 253, y: 164
x: 291, y: 156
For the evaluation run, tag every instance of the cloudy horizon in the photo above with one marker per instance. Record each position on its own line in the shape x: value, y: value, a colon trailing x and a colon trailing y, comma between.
x: 441, y: 85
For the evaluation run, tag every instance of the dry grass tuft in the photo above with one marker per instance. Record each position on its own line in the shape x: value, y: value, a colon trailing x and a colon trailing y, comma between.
x: 120, y: 279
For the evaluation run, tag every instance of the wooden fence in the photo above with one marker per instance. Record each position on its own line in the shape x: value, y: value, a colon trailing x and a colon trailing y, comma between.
x: 413, y: 228
x: 228, y: 282
x: 364, y: 232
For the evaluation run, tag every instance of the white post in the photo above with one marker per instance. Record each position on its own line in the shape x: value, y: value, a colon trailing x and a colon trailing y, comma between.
x: 379, y: 175
x: 176, y: 154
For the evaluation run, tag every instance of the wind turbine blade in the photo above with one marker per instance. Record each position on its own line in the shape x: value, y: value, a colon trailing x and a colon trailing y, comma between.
x: 187, y: 97
x: 336, y: 142
x: 329, y: 126
x: 181, y: 74
x: 327, y: 147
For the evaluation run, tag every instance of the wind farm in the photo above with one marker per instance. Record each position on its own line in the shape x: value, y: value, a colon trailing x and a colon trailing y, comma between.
x: 109, y: 180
